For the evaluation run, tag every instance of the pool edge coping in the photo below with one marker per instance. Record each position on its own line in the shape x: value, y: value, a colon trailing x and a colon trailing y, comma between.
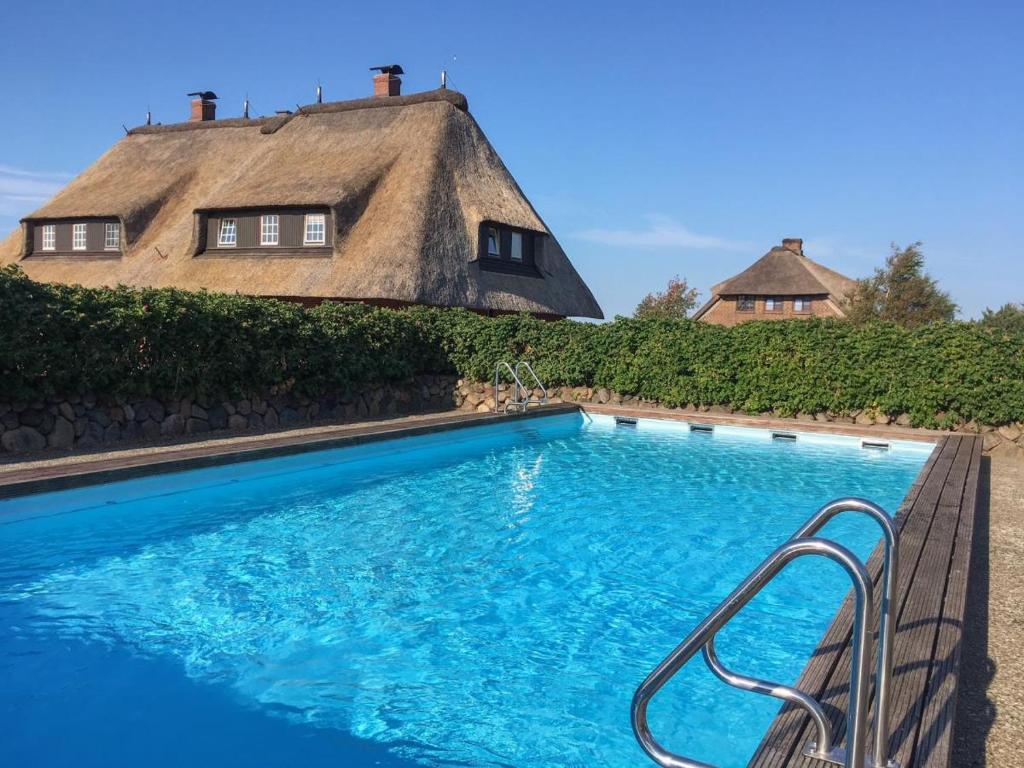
x: 184, y: 456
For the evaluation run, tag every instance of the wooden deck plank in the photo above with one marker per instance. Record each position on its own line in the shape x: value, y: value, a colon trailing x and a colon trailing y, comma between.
x: 935, y: 729
x: 935, y: 523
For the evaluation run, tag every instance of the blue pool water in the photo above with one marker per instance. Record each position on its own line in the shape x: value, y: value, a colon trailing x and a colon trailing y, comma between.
x: 485, y: 597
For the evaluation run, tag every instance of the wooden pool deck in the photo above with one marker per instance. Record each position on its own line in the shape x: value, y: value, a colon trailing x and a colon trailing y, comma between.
x: 936, y: 523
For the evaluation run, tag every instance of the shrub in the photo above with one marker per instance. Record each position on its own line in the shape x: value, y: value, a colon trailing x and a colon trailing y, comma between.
x: 59, y: 340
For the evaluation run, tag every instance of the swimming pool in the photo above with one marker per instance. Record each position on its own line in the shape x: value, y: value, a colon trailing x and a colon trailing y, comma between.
x: 489, y: 596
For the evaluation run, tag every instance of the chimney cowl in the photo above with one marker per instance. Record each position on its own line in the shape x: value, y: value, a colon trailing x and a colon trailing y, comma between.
x: 204, y: 106
x: 794, y: 244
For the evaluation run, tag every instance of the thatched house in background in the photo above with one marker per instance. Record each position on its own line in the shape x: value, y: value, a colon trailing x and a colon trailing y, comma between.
x: 781, y: 285
x: 393, y: 200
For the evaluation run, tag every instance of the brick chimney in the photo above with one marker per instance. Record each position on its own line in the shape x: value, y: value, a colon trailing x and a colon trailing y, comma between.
x: 794, y: 244
x: 387, y: 81
x: 203, y: 106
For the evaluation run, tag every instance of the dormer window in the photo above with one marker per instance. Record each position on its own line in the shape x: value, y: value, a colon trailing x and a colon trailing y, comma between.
x: 79, y: 241
x: 509, y: 249
x: 277, y: 232
x: 112, y: 236
x: 83, y: 238
x: 270, y: 229
x: 228, y: 233
x: 316, y: 229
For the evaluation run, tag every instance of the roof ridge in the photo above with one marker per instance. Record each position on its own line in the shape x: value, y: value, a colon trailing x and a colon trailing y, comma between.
x: 271, y: 123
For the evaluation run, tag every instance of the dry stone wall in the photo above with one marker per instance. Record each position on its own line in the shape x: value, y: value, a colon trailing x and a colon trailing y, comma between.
x: 84, y: 423
x: 89, y: 422
x: 1007, y: 440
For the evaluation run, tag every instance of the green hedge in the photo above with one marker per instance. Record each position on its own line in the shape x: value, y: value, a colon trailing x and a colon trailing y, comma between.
x: 57, y: 340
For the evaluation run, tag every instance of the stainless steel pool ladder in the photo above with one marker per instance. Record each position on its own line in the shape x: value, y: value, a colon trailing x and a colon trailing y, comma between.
x: 702, y: 638
x: 521, y: 398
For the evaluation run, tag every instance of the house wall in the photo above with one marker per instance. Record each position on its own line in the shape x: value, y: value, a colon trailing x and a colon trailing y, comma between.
x: 725, y: 312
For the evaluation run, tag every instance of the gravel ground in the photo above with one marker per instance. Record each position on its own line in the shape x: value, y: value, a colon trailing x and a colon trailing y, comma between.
x: 990, y: 716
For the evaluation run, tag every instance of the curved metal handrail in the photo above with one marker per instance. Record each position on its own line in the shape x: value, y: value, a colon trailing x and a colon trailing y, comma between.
x: 536, y: 379
x: 823, y: 745
x: 856, y: 716
x: 890, y: 573
x: 518, y: 388
x: 517, y: 384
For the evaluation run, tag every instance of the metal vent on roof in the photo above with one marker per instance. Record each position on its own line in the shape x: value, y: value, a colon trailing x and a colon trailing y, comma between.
x: 625, y: 421
x: 706, y: 429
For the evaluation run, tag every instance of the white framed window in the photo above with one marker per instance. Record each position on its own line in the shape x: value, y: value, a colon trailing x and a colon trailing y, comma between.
x: 111, y: 236
x: 49, y: 237
x: 516, y: 254
x: 227, y: 235
x: 493, y: 243
x: 773, y: 304
x: 801, y: 304
x: 270, y: 229
x: 315, y: 230
x: 78, y: 239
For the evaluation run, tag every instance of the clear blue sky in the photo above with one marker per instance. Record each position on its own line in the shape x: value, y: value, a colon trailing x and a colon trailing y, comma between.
x: 666, y: 138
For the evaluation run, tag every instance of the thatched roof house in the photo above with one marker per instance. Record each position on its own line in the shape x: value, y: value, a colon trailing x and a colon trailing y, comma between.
x: 391, y: 199
x: 783, y: 284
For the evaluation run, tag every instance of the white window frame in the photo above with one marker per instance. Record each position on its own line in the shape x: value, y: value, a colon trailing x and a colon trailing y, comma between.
x: 773, y: 304
x: 49, y: 237
x: 495, y: 254
x: 801, y: 304
x: 270, y: 229
x: 76, y: 230
x: 314, y: 219
x: 516, y: 248
x: 222, y: 230
x: 112, y: 227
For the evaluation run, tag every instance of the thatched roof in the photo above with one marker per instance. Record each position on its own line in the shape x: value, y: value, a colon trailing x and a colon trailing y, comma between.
x: 784, y: 271
x: 409, y: 179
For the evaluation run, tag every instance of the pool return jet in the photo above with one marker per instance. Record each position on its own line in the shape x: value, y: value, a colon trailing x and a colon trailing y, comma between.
x: 702, y: 638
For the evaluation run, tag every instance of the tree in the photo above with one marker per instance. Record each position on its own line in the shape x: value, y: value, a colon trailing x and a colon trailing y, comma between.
x: 675, y: 301
x: 1009, y: 317
x: 901, y: 292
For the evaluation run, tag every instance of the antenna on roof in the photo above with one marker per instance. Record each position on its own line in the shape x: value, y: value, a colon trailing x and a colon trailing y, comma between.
x: 444, y: 71
x: 149, y: 117
x: 126, y: 131
x: 319, y: 93
x: 245, y: 107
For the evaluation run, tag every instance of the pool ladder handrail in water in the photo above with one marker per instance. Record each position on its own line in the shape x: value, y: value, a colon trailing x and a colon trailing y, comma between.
x: 702, y: 638
x: 517, y: 400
